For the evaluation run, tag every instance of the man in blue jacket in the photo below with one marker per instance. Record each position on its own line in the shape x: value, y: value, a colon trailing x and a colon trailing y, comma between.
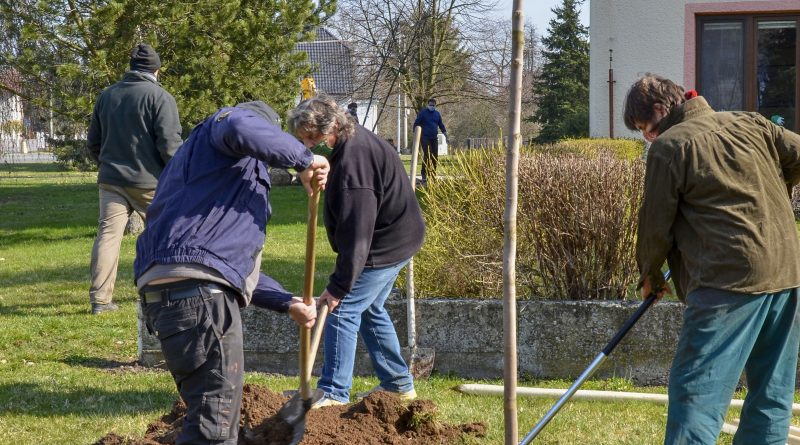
x: 198, y: 259
x: 431, y: 122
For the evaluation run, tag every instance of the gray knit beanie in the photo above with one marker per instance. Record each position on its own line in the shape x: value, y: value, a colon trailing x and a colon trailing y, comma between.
x: 145, y: 58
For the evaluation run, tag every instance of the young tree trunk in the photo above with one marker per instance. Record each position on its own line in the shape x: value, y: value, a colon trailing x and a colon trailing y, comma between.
x: 510, y: 228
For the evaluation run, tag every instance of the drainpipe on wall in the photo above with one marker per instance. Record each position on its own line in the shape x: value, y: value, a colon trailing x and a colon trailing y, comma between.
x: 611, y: 83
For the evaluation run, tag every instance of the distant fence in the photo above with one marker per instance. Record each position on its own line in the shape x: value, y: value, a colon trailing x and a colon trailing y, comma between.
x: 491, y: 143
x: 9, y: 144
x: 20, y: 150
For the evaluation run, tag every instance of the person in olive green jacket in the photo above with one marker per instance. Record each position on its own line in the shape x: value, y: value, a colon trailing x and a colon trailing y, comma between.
x: 717, y: 208
x: 134, y: 131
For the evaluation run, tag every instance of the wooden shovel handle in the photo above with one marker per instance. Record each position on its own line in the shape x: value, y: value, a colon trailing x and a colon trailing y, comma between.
x: 308, y: 291
x: 311, y: 237
x: 316, y: 336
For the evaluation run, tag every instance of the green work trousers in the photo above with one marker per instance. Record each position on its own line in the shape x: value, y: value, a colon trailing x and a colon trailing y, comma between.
x: 723, y: 334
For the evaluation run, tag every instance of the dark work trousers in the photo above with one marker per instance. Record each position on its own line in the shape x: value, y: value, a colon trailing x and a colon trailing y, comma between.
x: 201, y: 339
x: 430, y: 156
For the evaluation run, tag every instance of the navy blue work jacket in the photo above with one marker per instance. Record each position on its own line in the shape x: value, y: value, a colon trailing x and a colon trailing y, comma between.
x: 211, y: 205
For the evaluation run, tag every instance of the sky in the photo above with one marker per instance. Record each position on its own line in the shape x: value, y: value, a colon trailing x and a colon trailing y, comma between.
x: 539, y: 12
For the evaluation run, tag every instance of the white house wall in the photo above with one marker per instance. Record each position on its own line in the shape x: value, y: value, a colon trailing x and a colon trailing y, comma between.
x: 655, y: 36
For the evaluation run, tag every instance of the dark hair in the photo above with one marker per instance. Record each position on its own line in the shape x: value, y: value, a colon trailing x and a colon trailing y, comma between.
x: 651, y: 89
x: 432, y: 100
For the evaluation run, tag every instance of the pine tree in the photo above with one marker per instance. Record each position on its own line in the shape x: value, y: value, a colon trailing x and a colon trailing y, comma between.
x: 214, y: 53
x: 562, y: 89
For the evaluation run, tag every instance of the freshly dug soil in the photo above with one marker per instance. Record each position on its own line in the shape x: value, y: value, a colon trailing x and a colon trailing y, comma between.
x: 379, y: 419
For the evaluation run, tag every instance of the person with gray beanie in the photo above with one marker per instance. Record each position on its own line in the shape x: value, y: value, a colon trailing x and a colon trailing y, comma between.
x: 134, y: 130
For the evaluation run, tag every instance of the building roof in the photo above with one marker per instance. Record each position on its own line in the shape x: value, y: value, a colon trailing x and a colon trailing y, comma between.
x: 331, y: 59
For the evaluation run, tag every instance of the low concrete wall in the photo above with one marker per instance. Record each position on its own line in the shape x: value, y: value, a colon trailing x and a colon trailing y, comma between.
x: 556, y: 339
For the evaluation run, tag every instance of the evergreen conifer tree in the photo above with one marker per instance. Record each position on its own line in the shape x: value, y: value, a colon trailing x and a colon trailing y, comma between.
x: 562, y: 89
x: 214, y: 53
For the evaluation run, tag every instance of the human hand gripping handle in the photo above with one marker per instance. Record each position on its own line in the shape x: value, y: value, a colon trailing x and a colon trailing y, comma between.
x: 302, y: 314
x: 328, y: 299
x: 315, y: 175
x: 648, y: 291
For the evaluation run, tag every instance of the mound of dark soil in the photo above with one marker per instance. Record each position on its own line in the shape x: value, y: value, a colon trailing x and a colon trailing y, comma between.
x: 380, y: 419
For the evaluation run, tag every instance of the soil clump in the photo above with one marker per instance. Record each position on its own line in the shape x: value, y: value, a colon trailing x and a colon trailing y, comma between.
x: 379, y: 419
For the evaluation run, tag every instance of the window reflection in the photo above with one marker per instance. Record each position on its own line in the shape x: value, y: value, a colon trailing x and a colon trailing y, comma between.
x: 721, y: 65
x: 776, y: 70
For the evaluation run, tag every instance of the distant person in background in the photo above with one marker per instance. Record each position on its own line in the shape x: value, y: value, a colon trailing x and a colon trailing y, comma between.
x: 134, y: 131
x: 352, y: 108
x: 431, y: 122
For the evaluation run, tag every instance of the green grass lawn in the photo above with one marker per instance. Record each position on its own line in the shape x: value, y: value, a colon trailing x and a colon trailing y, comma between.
x: 67, y: 377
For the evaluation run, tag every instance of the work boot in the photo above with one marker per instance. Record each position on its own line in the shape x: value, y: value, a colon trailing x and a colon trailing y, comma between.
x: 320, y: 399
x: 407, y: 395
x: 98, y: 308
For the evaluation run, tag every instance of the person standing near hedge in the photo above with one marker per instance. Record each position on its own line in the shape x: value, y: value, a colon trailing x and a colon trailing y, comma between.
x: 431, y: 122
x: 717, y: 208
x: 134, y: 131
x: 375, y: 225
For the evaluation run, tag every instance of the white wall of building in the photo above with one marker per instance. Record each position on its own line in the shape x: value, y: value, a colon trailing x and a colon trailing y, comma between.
x: 645, y: 36
x: 11, y: 117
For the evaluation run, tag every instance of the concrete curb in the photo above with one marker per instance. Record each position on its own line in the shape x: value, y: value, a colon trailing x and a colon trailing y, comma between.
x: 556, y: 339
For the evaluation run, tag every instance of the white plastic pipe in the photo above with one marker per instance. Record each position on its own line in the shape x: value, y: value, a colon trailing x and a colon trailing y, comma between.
x: 731, y: 428
x: 582, y: 394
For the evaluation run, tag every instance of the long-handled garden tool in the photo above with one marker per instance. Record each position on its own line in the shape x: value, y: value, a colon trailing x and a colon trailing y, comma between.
x: 421, y: 359
x: 293, y: 413
x: 588, y: 372
x: 316, y: 336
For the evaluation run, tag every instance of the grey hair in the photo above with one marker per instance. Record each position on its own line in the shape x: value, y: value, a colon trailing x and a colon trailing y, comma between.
x: 321, y: 114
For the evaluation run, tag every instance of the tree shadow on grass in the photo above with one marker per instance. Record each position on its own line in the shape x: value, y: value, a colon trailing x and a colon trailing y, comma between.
x: 32, y: 167
x: 44, y: 309
x: 48, y: 400
x: 113, y: 366
x: 48, y: 206
x: 54, y: 270
x: 61, y: 306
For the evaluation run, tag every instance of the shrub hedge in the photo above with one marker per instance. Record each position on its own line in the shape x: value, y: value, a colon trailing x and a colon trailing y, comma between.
x: 576, y: 222
x: 72, y: 154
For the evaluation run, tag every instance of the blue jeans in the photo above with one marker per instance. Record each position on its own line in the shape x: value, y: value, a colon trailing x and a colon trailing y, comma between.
x: 723, y: 334
x: 361, y: 311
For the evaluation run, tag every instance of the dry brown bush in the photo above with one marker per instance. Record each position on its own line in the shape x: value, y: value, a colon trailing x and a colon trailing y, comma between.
x: 576, y: 226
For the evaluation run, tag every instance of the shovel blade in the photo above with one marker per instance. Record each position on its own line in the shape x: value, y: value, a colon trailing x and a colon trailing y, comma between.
x: 293, y: 414
x: 421, y: 362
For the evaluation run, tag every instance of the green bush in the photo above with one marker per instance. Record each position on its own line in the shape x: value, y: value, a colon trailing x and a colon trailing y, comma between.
x: 461, y: 256
x: 621, y: 148
x: 72, y: 154
x: 576, y: 223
